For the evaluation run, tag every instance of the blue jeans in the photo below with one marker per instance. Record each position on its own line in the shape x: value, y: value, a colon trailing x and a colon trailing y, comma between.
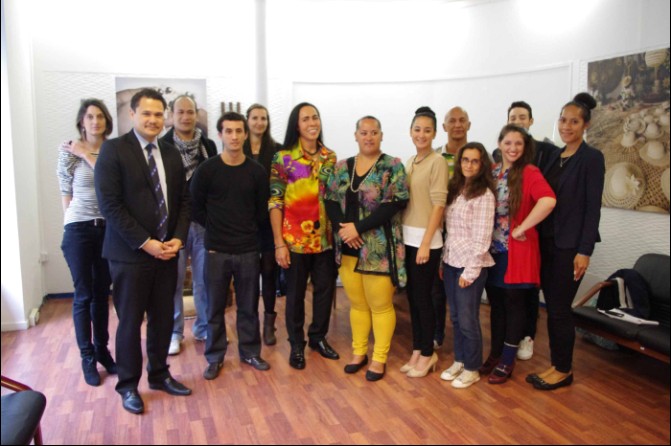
x: 194, y: 248
x: 465, y: 315
x: 82, y: 249
x: 244, y: 270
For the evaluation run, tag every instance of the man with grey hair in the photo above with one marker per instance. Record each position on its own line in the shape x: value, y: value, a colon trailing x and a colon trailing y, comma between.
x: 194, y: 148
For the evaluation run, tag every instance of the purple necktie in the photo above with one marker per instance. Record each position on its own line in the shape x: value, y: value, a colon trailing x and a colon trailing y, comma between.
x: 162, y: 228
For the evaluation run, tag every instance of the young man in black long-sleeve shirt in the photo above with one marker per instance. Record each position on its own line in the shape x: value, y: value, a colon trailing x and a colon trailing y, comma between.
x: 230, y: 196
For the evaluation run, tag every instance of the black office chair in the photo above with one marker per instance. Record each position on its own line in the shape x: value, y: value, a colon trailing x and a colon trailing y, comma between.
x: 21, y: 413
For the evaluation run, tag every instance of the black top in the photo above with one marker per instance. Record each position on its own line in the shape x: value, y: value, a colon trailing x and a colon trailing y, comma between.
x: 231, y: 202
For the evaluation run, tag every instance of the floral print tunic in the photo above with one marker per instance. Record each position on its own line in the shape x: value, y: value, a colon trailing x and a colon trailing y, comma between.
x: 383, y: 251
x: 297, y: 185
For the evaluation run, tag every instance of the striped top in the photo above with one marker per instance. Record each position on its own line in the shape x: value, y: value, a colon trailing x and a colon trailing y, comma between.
x: 75, y: 178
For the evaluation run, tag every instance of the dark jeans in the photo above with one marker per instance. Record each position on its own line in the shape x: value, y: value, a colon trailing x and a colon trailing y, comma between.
x: 322, y: 270
x: 422, y: 312
x: 465, y: 316
x: 82, y: 249
x: 559, y: 290
x: 243, y: 269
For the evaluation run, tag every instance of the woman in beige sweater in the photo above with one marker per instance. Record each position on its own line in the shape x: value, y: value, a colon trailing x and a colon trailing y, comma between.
x: 427, y: 178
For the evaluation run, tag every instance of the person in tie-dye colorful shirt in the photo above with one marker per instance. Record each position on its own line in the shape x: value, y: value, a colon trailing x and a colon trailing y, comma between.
x: 302, y: 231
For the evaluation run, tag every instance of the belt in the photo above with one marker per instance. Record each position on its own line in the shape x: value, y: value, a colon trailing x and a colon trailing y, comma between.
x: 100, y: 222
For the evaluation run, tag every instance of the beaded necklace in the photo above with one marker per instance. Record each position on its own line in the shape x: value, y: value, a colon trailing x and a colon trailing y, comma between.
x: 365, y: 178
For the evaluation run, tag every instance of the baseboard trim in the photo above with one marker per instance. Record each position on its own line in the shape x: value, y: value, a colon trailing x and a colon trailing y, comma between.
x: 14, y: 326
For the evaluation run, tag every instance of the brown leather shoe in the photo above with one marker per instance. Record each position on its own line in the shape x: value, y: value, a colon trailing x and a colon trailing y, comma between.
x: 501, y: 374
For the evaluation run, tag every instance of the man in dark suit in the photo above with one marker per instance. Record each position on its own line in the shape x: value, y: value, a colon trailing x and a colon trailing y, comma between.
x: 142, y: 194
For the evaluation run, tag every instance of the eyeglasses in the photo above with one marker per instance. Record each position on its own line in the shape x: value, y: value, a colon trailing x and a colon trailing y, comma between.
x: 472, y: 162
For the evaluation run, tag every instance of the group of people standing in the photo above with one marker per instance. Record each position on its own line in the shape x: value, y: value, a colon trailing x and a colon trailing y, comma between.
x: 137, y: 206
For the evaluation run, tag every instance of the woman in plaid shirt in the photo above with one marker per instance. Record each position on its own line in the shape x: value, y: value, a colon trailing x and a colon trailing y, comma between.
x: 469, y: 219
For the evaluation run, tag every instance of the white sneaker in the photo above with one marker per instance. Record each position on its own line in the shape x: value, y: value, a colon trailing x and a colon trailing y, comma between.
x: 174, y: 347
x: 452, y: 372
x: 526, y: 349
x: 466, y: 379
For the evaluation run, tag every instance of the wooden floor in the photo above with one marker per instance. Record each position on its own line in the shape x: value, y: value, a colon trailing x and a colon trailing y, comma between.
x: 617, y: 397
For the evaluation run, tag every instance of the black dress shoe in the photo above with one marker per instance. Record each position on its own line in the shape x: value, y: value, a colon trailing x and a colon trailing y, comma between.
x: 324, y: 349
x: 353, y: 368
x: 132, y: 402
x: 212, y: 370
x: 374, y: 376
x: 297, y: 356
x: 171, y: 386
x: 257, y: 362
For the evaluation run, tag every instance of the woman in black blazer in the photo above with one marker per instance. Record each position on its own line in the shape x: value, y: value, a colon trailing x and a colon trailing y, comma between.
x: 568, y: 235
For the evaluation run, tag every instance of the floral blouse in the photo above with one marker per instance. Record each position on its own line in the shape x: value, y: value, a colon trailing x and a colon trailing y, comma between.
x: 502, y: 219
x: 383, y: 251
x: 297, y: 184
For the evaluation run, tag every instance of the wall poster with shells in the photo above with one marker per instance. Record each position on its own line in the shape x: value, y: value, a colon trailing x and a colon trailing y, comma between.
x: 631, y: 127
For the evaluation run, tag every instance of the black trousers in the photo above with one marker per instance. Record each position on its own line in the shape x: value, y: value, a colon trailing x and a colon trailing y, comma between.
x: 243, y: 269
x: 322, y: 270
x: 138, y: 288
x: 531, y: 302
x: 559, y: 290
x: 507, y: 316
x: 439, y: 299
x: 422, y: 312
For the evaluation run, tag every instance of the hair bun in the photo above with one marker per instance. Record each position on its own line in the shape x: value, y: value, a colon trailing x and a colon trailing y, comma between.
x: 585, y: 99
x: 425, y: 109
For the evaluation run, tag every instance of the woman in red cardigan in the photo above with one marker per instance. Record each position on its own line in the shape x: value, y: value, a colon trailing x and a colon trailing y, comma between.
x: 523, y: 199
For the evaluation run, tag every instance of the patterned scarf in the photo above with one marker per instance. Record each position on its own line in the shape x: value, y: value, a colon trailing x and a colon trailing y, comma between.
x: 191, y: 152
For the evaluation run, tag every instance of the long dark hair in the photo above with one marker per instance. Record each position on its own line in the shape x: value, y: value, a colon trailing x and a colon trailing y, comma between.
x: 85, y: 104
x: 268, y: 144
x: 478, y: 184
x: 515, y: 173
x: 291, y: 136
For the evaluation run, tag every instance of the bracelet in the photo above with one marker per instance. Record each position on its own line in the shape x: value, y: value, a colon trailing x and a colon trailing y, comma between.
x: 281, y: 246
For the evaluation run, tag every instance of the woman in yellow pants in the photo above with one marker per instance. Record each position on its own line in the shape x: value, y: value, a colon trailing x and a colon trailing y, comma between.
x: 364, y: 196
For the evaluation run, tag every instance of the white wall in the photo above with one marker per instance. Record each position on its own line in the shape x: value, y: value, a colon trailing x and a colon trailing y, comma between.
x: 350, y: 57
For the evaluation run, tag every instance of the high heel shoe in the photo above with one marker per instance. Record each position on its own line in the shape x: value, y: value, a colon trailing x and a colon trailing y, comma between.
x: 353, y: 368
x: 415, y: 373
x: 407, y: 366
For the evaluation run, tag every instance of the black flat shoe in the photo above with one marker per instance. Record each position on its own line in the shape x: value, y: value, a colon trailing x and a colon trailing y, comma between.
x: 353, y: 368
x: 324, y: 349
x: 374, y: 376
x: 172, y: 386
x: 540, y: 384
x: 132, y: 402
x: 531, y: 378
